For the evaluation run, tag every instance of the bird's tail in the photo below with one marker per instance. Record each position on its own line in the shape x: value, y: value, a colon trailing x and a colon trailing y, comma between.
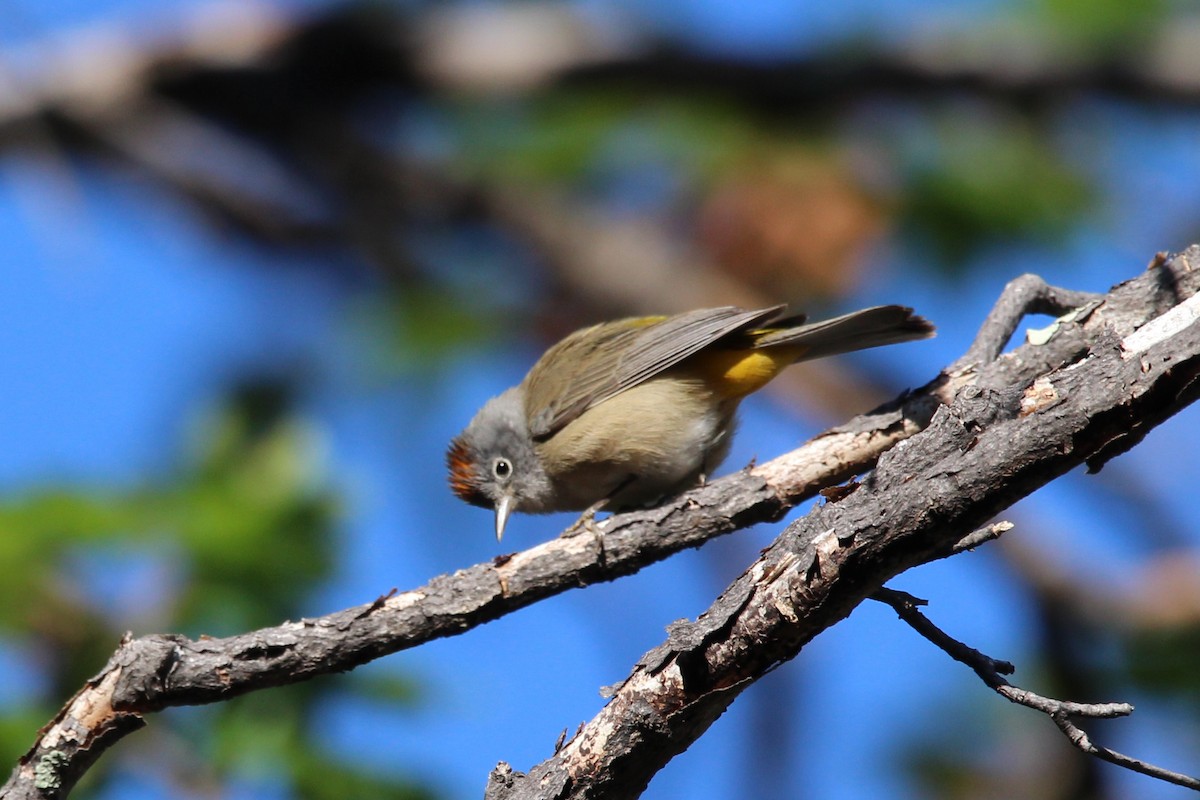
x: 858, y: 330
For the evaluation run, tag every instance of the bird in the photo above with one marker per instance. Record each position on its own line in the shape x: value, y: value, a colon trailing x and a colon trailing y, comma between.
x: 626, y: 413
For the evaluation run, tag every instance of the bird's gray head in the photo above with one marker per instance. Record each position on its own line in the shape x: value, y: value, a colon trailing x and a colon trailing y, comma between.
x: 493, y: 464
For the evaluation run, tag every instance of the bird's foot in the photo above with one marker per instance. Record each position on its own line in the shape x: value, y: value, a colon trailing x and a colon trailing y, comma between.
x: 586, y: 522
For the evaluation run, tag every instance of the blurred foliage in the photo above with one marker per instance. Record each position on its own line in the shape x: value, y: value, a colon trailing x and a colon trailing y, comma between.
x: 237, y: 538
x: 574, y: 136
x: 938, y: 758
x: 416, y: 333
x: 960, y: 181
x: 967, y: 746
x: 1098, y: 27
x: 1163, y: 661
x: 975, y: 185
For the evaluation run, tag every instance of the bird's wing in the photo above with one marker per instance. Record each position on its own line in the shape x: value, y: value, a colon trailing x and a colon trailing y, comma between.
x: 594, y: 364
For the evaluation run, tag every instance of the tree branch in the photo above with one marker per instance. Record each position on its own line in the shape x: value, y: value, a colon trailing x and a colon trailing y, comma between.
x: 997, y: 442
x: 1027, y: 294
x: 1091, y: 394
x: 991, y: 672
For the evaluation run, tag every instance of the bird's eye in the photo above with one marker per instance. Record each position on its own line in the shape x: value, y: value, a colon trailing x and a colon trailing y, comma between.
x: 501, y: 468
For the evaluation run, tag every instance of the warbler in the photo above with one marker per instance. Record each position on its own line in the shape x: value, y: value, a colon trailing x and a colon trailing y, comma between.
x: 629, y: 412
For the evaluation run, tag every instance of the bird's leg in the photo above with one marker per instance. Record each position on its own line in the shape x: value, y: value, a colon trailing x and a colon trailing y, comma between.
x: 587, y: 520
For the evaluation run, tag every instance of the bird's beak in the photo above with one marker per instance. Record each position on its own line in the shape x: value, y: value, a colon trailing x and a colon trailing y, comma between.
x: 504, y: 507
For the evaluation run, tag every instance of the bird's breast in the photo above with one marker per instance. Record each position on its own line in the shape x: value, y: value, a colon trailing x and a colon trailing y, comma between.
x: 648, y: 442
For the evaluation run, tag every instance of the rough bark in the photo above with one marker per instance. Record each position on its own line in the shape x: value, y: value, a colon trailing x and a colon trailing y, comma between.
x: 1090, y: 387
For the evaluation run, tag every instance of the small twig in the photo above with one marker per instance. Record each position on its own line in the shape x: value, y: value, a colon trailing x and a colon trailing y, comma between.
x: 979, y: 537
x: 905, y: 605
x: 1027, y: 294
x: 1080, y: 739
x: 991, y: 672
